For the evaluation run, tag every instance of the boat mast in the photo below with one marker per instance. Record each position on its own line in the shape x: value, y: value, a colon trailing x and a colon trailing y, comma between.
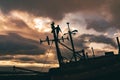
x: 93, y: 52
x: 55, y: 31
x: 118, y: 45
x: 55, y: 35
x: 71, y: 40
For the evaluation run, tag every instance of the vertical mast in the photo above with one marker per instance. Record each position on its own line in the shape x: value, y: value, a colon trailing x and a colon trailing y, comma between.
x: 55, y: 35
x: 72, y: 44
x: 118, y: 45
x: 93, y: 52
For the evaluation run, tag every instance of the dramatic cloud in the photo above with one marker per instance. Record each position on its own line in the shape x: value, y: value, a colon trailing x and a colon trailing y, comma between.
x: 17, y: 23
x: 15, y: 44
x: 99, y: 39
x: 80, y: 43
x: 47, y: 58
x: 107, y: 18
x: 97, y: 23
x: 114, y: 8
x: 24, y: 22
x: 108, y: 10
x: 54, y: 9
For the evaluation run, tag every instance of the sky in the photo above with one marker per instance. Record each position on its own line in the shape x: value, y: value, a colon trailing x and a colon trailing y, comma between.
x: 24, y: 22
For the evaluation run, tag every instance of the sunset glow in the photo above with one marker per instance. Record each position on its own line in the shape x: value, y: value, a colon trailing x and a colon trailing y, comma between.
x: 40, y: 22
x: 23, y: 25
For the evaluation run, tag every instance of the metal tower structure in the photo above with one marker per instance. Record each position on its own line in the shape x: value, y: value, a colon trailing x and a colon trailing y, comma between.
x: 55, y: 32
x: 57, y: 41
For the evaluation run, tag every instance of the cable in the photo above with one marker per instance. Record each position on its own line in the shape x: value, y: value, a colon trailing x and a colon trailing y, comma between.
x: 47, y: 54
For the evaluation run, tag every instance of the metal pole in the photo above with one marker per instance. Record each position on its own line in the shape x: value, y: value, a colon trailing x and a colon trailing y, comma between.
x: 93, y: 52
x: 56, y: 44
x: 72, y: 44
x: 118, y: 45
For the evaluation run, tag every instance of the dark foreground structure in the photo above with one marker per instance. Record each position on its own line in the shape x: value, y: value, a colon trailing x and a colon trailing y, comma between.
x: 81, y: 67
x: 23, y: 77
x: 19, y: 73
x: 99, y: 68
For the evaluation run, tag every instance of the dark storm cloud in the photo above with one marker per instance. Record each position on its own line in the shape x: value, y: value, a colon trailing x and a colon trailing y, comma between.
x: 80, y: 43
x: 54, y: 9
x: 15, y: 44
x: 98, y: 23
x: 101, y: 24
x: 99, y: 39
x: 115, y: 11
x: 83, y: 41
